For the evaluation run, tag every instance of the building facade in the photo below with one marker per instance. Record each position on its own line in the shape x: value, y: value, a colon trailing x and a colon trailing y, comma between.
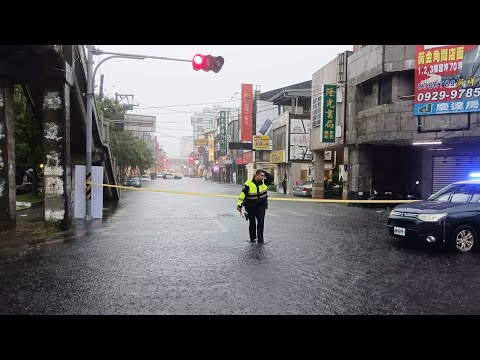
x: 327, y: 138
x: 381, y: 128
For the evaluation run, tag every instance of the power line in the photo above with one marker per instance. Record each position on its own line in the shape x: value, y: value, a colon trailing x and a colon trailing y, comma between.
x: 168, y: 106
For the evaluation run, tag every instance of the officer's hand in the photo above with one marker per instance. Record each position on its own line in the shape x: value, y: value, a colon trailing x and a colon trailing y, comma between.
x: 240, y: 211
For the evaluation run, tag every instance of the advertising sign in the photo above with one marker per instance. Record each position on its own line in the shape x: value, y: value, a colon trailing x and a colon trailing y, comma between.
x: 277, y: 157
x: 246, y: 123
x: 223, y: 133
x: 200, y: 142
x: 329, y: 113
x: 266, y: 113
x: 261, y: 142
x: 447, y: 79
x: 300, y: 140
x: 141, y: 123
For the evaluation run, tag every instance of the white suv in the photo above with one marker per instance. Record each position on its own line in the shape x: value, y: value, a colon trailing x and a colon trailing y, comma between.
x: 145, y: 178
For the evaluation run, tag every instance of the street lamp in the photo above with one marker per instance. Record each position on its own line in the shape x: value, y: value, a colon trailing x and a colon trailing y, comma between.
x: 90, y: 93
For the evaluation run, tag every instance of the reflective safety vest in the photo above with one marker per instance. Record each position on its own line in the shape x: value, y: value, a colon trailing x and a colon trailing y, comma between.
x: 256, y: 195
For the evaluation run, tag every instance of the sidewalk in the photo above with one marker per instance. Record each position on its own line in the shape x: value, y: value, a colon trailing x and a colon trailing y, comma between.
x: 30, y: 230
x: 26, y: 235
x: 280, y: 194
x: 32, y: 234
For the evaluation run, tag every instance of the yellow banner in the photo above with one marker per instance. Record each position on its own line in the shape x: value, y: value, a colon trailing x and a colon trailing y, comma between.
x: 211, y: 150
x: 200, y: 142
x: 261, y: 142
x: 277, y: 156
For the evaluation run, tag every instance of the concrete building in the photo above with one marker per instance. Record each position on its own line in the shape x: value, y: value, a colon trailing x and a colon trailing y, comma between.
x: 381, y: 128
x: 330, y: 153
x: 186, y: 146
x: 203, y: 120
x: 290, y: 135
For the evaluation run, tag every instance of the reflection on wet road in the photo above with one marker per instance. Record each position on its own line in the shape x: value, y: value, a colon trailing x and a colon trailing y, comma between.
x: 178, y: 254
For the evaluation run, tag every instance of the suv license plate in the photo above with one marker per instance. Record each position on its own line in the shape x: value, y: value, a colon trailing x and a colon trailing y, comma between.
x: 399, y: 231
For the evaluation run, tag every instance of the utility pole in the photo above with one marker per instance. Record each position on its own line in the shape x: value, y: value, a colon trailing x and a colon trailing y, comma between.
x: 100, y: 93
x: 88, y: 165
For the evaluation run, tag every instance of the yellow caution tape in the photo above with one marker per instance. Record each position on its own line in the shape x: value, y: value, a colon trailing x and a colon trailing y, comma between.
x: 269, y: 197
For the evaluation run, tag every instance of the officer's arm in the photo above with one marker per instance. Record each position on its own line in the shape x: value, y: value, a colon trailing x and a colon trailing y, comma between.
x: 268, y: 178
x: 241, y: 197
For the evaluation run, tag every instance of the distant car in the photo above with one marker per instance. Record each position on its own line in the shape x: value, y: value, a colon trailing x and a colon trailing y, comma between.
x: 145, y: 178
x: 133, y: 181
x: 450, y: 217
x: 177, y: 177
x: 168, y: 176
x: 304, y: 189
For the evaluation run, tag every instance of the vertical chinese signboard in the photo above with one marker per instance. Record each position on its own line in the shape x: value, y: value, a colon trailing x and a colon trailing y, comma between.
x: 223, y: 133
x: 247, y: 96
x: 329, y: 112
x: 211, y: 148
x: 447, y: 79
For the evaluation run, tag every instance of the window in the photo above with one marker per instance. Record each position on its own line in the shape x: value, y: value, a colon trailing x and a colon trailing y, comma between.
x: 385, y: 90
x: 317, y: 111
x: 458, y: 193
x: 368, y: 88
x: 406, y: 84
x: 444, y: 194
x: 475, y: 194
x: 461, y: 195
x: 279, y: 142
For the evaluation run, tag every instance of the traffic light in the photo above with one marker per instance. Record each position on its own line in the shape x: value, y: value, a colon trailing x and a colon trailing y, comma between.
x: 207, y: 63
x: 192, y: 158
x: 165, y: 159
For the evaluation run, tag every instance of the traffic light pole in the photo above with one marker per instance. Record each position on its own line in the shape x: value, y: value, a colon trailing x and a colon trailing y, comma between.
x: 90, y: 93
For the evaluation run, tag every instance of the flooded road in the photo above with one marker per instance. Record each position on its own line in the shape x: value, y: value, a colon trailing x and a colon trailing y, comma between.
x: 164, y: 253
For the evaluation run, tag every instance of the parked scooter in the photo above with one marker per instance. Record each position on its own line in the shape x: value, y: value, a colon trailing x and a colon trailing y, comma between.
x: 387, y: 195
x: 415, y: 194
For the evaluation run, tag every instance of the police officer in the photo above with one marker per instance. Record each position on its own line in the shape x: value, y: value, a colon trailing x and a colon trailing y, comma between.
x: 255, y: 199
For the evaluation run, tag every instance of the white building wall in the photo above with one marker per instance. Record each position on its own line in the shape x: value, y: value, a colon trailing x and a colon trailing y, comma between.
x: 186, y: 146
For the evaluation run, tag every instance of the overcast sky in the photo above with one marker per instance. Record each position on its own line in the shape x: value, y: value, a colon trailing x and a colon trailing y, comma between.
x: 172, y: 90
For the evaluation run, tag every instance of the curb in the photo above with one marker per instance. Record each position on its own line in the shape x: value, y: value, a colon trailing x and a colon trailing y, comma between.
x: 32, y: 205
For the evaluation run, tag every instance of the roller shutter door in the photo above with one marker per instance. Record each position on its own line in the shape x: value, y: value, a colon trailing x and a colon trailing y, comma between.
x: 449, y: 169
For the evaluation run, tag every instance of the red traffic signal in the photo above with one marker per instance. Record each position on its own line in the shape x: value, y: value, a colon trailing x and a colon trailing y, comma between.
x: 207, y: 63
x: 165, y: 160
x: 198, y: 62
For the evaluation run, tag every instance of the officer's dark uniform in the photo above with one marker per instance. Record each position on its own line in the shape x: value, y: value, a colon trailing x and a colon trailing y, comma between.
x: 255, y: 199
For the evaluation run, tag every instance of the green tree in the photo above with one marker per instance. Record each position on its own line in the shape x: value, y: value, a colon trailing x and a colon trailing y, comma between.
x: 129, y: 151
x: 108, y: 107
x: 28, y: 136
